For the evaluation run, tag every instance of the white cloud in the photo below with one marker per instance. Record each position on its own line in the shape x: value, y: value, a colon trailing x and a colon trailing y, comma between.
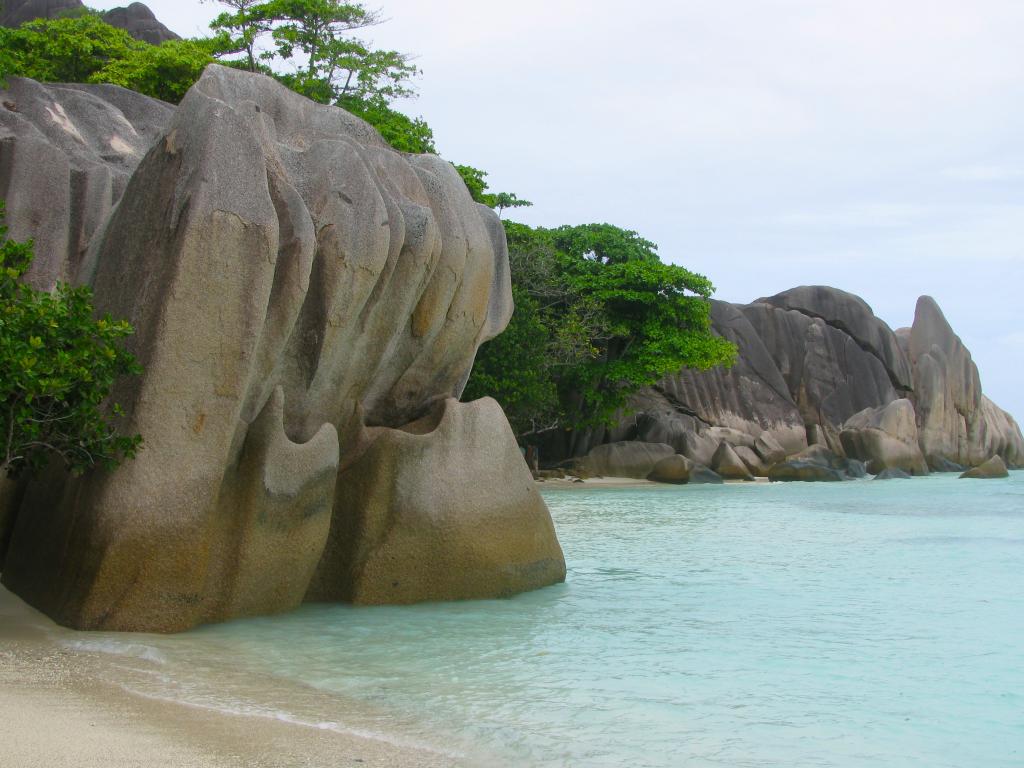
x: 985, y: 173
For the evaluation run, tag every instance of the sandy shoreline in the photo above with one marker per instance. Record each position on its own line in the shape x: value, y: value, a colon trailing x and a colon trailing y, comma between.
x: 60, y: 706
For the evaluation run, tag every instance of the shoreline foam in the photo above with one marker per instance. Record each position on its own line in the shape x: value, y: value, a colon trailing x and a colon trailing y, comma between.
x: 65, y: 701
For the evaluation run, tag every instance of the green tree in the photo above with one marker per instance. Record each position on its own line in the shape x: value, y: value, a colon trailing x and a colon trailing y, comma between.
x: 57, y: 367
x: 330, y: 64
x: 85, y: 49
x: 164, y: 71
x: 615, y: 319
x: 476, y: 182
x: 406, y: 134
x: 64, y: 50
x: 239, y: 30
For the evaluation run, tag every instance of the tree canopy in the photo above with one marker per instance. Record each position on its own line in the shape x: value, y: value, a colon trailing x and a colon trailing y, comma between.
x: 85, y: 49
x: 598, y: 317
x: 57, y: 367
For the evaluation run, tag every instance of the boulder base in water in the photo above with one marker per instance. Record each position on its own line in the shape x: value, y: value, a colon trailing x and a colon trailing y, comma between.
x: 885, y: 438
x: 625, y: 459
x: 418, y: 517
x: 993, y: 469
x: 893, y: 474
x: 674, y: 469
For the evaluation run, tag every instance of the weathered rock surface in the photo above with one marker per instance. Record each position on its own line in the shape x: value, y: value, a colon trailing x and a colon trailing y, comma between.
x: 136, y: 19
x: 420, y: 519
x: 813, y: 361
x: 893, y: 474
x: 730, y: 466
x: 294, y: 284
x: 805, y: 472
x: 851, y: 315
x: 769, y: 449
x: 955, y: 421
x: 992, y: 469
x: 754, y: 464
x: 674, y: 469
x: 66, y: 154
x: 939, y: 464
x: 625, y: 459
x: 885, y: 438
x: 139, y: 22
x: 701, y: 475
x: 817, y: 464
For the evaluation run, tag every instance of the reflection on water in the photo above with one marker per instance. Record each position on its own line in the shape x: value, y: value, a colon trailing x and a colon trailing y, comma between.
x: 793, y: 625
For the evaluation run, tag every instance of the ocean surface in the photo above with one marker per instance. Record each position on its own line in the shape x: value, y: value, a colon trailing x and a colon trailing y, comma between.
x: 856, y: 624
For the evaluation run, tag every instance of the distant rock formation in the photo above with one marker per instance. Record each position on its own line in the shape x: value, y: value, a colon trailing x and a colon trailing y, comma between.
x: 139, y: 22
x: 136, y: 19
x: 307, y: 304
x: 817, y: 367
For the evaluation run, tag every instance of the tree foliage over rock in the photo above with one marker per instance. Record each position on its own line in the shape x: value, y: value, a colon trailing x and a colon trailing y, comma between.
x: 57, y: 367
x: 598, y: 317
x: 85, y: 49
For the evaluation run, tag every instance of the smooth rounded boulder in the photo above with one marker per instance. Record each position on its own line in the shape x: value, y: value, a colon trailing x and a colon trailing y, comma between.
x: 993, y: 469
x: 419, y: 519
x: 673, y: 469
x: 885, y: 438
x: 625, y: 459
x: 730, y: 466
x: 805, y: 472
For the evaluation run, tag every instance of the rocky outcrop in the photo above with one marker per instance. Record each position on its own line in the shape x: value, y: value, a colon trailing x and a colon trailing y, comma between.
x: 673, y: 469
x: 956, y: 422
x: 817, y: 464
x: 136, y: 19
x: 66, y: 155
x: 303, y: 298
x: 420, y: 519
x: 727, y: 464
x: 852, y: 316
x: 893, y: 474
x: 139, y: 22
x: 624, y: 459
x: 993, y: 469
x: 885, y: 438
x: 816, y: 367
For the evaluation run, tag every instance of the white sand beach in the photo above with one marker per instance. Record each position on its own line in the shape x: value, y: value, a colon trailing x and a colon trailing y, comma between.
x: 63, y: 707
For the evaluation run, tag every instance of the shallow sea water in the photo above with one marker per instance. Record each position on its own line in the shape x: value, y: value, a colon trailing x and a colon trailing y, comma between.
x: 855, y: 624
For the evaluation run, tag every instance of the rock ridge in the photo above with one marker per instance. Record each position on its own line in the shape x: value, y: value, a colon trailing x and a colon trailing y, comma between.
x: 817, y: 367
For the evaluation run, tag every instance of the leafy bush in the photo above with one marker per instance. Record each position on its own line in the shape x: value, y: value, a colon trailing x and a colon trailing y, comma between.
x: 57, y: 367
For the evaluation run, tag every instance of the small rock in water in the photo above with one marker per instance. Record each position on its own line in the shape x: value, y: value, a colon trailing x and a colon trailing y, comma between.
x: 893, y: 474
x: 993, y: 469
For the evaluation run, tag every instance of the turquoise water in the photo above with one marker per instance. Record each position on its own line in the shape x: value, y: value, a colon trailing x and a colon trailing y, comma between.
x: 855, y: 624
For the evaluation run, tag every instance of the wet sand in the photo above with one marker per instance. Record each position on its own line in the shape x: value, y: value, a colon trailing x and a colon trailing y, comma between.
x: 61, y: 707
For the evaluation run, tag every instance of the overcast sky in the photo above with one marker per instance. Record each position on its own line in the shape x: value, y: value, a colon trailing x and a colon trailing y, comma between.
x: 873, y: 145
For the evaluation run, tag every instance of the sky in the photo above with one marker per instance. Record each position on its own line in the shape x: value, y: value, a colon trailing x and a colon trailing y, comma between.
x: 872, y: 145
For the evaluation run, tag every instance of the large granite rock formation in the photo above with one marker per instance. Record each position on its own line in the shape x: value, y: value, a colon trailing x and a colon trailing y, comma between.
x: 885, y: 438
x: 66, y: 155
x: 139, y: 22
x: 303, y: 298
x: 817, y: 367
x: 136, y: 19
x: 956, y: 421
x: 422, y: 520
